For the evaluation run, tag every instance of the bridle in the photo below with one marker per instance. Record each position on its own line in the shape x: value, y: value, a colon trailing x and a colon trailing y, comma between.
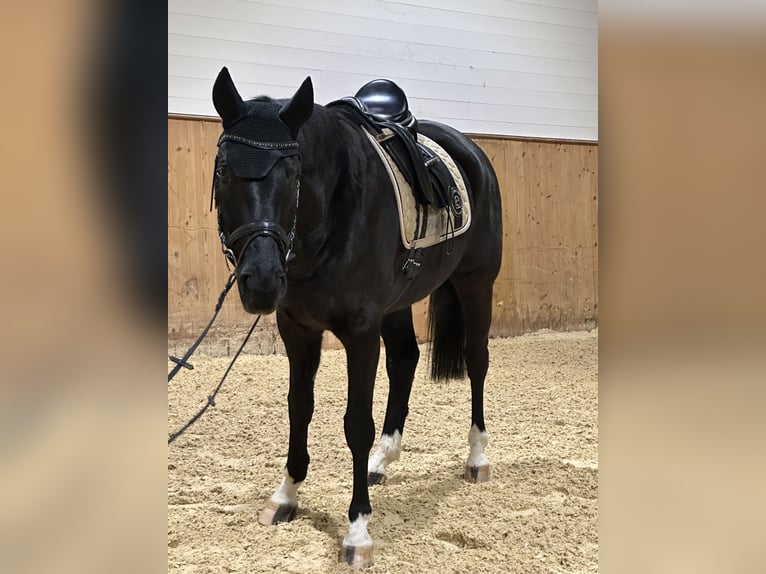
x: 259, y: 227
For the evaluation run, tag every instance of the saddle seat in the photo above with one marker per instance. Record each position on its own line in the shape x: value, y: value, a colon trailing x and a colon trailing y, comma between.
x: 386, y: 102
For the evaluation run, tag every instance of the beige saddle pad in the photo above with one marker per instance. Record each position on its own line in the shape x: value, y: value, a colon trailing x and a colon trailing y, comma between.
x: 439, y: 222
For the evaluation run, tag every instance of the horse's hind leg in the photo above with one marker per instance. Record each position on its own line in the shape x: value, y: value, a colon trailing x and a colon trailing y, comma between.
x: 303, y: 350
x: 402, y: 356
x: 476, y: 301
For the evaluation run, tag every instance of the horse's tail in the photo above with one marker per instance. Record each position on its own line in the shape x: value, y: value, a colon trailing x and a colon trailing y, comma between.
x: 446, y: 333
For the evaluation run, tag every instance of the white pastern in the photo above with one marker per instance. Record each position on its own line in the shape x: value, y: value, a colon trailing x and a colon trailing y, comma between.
x: 357, y: 533
x: 287, y: 493
x: 477, y: 440
x: 389, y: 449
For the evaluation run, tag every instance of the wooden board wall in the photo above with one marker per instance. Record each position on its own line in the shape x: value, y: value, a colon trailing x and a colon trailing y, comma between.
x: 549, y: 275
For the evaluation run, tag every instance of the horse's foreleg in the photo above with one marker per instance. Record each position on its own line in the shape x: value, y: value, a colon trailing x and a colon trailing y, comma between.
x: 362, y: 350
x: 303, y: 350
x: 402, y: 356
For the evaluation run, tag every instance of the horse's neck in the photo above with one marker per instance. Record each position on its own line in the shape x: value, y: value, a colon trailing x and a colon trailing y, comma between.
x: 325, y: 168
x: 323, y: 158
x: 326, y: 143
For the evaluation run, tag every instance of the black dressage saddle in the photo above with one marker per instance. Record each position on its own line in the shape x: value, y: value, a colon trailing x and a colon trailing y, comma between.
x: 386, y: 102
x: 381, y: 107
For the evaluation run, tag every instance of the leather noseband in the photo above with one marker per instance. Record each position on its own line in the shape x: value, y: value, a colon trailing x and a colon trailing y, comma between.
x: 260, y: 228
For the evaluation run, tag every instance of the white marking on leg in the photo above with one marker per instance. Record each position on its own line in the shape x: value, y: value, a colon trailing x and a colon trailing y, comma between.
x: 357, y: 532
x: 389, y: 448
x: 477, y: 440
x: 287, y: 493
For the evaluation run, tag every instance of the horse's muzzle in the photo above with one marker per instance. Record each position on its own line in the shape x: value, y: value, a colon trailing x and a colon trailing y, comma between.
x: 261, y: 294
x: 261, y: 277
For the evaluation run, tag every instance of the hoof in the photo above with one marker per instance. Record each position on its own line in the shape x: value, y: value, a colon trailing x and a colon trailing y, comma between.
x: 478, y: 473
x: 274, y: 514
x: 356, y: 556
x: 374, y: 478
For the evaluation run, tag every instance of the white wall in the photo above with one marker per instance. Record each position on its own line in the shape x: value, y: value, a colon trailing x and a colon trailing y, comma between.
x: 523, y: 68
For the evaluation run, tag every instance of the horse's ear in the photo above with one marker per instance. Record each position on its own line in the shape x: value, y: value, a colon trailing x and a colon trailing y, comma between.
x: 226, y: 99
x: 298, y: 109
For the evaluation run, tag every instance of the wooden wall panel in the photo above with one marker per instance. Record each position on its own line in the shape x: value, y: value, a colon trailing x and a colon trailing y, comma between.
x: 549, y: 275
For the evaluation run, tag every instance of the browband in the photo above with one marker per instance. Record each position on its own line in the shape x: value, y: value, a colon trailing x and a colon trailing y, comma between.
x: 256, y: 144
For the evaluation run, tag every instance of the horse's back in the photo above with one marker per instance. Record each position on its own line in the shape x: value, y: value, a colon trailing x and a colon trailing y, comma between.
x: 486, y: 232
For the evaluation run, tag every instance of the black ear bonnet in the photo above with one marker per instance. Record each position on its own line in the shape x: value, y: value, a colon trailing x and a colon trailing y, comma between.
x: 257, y: 141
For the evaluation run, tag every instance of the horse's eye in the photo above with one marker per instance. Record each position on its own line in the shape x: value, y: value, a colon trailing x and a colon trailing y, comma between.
x: 221, y: 172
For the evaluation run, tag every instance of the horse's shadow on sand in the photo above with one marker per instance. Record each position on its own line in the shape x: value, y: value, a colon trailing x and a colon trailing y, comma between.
x: 323, y: 521
x: 408, y: 503
x: 413, y: 506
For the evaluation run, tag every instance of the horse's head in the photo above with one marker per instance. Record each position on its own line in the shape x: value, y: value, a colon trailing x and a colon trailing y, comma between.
x: 257, y: 187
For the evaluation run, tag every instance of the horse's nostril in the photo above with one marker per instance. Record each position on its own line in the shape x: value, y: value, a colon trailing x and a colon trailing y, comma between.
x: 266, y: 281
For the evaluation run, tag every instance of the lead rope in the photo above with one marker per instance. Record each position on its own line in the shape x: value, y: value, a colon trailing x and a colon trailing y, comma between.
x: 182, y: 362
x: 211, y: 397
x: 229, y: 258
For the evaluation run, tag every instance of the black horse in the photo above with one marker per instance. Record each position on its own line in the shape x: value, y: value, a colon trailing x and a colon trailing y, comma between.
x: 293, y: 165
